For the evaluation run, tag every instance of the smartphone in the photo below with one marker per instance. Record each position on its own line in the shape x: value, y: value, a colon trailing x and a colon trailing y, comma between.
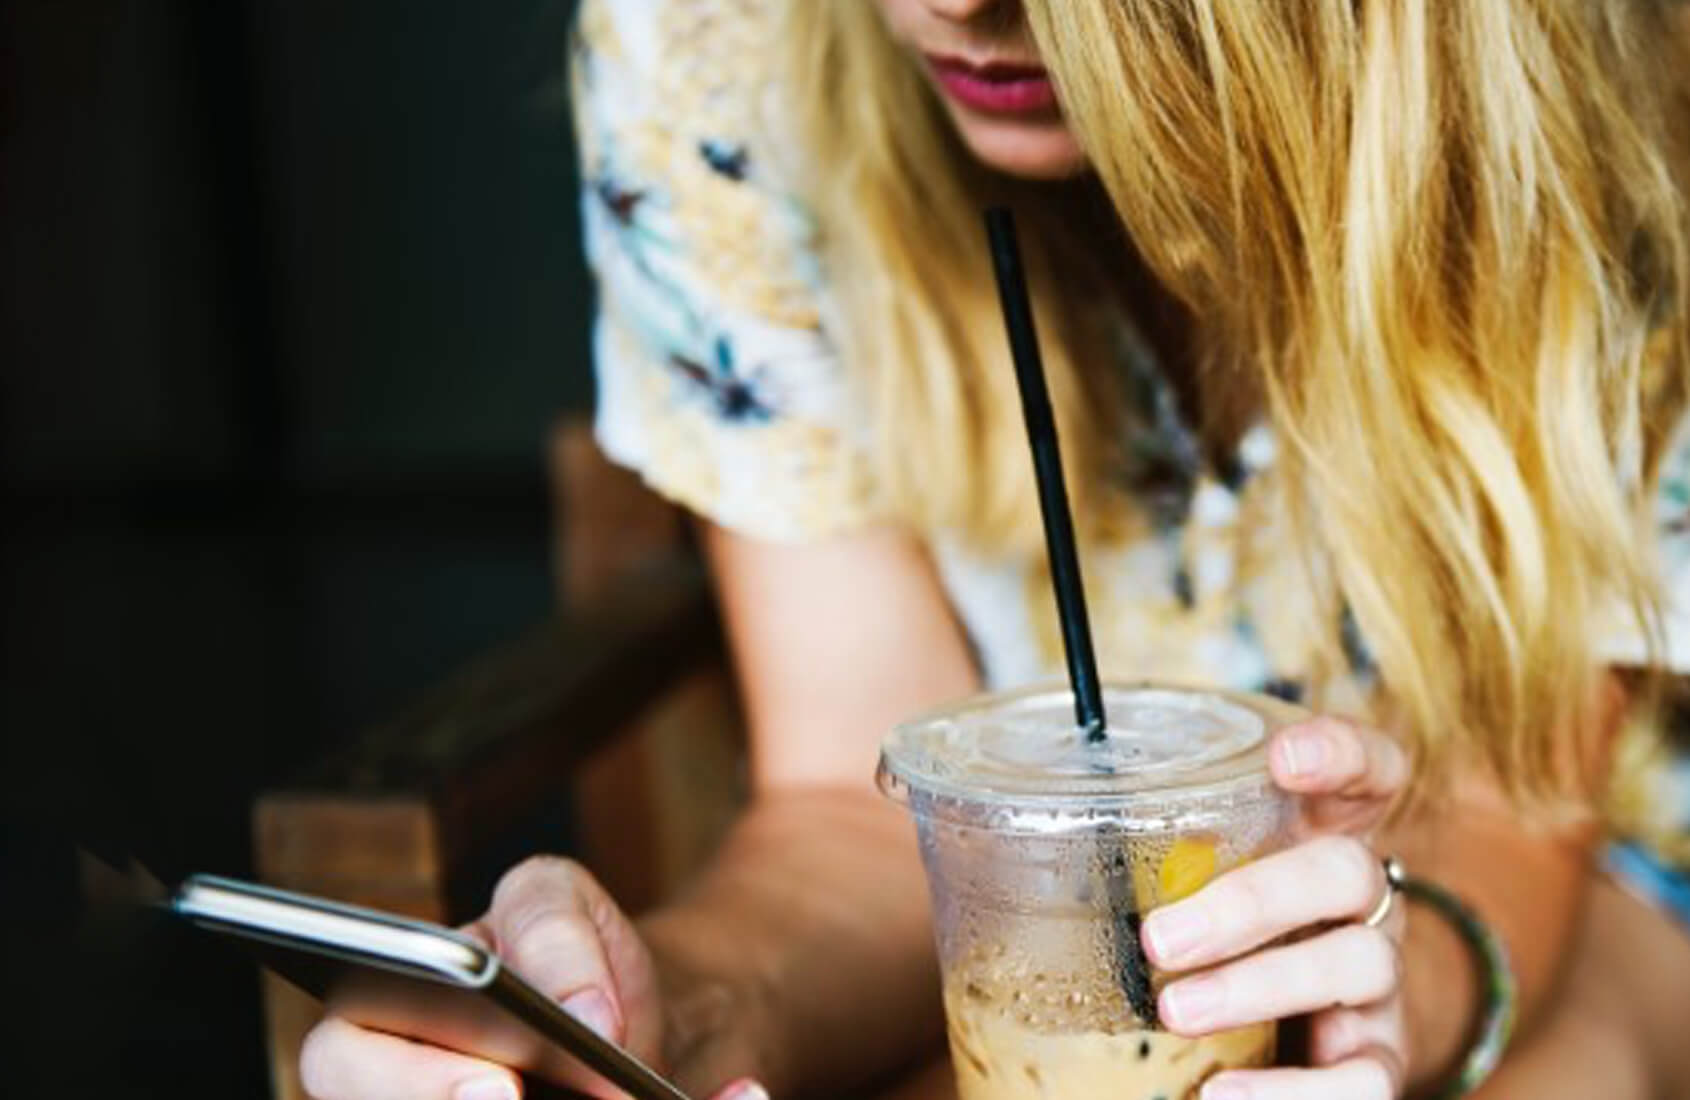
x: 413, y: 979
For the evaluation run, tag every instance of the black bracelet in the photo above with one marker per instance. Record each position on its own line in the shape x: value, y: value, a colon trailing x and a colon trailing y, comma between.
x: 1496, y: 982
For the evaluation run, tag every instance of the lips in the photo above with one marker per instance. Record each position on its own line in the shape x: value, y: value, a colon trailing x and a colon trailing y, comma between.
x: 995, y: 88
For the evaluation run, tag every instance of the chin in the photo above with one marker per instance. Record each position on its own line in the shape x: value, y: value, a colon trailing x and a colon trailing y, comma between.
x: 1027, y: 150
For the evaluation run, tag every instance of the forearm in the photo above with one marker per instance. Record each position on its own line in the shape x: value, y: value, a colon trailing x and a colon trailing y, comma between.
x: 1529, y: 886
x: 804, y: 954
x: 1616, y: 1027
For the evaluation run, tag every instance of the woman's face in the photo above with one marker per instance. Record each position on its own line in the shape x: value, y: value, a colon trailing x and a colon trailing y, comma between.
x: 980, y: 56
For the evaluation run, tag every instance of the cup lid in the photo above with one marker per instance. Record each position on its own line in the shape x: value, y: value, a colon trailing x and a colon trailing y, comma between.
x: 1017, y: 761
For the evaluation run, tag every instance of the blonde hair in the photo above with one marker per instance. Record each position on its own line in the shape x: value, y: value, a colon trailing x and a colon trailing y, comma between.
x: 1441, y: 242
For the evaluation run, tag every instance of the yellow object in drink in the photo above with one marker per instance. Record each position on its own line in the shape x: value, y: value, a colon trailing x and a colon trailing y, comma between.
x: 1185, y: 869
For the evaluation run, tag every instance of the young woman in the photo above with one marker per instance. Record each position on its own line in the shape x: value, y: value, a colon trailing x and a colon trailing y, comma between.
x: 1367, y: 326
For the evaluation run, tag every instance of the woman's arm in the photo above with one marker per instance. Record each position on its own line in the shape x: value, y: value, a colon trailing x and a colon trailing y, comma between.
x: 842, y: 924
x: 802, y: 956
x: 804, y: 952
x: 1616, y: 1027
x: 1529, y: 883
x: 1529, y: 886
x: 834, y: 644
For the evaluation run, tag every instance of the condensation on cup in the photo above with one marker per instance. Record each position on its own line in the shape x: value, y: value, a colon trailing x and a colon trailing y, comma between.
x: 1043, y: 850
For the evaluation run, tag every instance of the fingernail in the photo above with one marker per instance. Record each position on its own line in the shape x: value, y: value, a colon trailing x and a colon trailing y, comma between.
x: 744, y: 1090
x: 1193, y: 1004
x: 1220, y: 1088
x: 1175, y: 932
x: 491, y: 1087
x: 594, y: 1009
x: 1304, y: 754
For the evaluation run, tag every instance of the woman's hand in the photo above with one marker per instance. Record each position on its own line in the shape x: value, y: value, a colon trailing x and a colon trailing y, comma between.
x: 552, y: 924
x: 1339, y: 971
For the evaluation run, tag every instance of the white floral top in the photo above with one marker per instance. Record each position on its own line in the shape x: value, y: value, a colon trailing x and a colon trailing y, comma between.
x: 719, y: 384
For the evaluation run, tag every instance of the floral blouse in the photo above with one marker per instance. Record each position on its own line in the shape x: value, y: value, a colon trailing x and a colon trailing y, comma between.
x: 718, y: 382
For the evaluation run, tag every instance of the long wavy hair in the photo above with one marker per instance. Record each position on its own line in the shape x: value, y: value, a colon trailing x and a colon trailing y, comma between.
x: 1440, y: 246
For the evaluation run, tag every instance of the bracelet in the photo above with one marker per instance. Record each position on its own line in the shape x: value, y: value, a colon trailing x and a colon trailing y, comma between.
x: 1497, y: 986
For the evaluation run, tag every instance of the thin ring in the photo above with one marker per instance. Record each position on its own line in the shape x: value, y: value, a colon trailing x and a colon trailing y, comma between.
x: 1394, y: 876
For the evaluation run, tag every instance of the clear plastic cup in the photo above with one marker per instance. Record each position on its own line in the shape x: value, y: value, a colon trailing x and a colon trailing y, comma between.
x: 1043, y: 849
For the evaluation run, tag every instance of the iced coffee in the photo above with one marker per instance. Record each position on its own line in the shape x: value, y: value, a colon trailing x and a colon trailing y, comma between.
x: 1044, y: 848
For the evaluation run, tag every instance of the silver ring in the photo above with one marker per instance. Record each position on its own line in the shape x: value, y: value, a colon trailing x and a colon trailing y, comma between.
x: 1394, y: 875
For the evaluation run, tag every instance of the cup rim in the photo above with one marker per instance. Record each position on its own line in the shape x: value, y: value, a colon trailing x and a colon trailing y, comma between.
x: 1205, y: 796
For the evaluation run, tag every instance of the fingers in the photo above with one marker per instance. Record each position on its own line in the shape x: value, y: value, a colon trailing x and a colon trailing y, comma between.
x: 1350, y: 966
x: 341, y: 1061
x: 1331, y: 756
x: 1348, y: 978
x: 550, y: 921
x: 555, y: 926
x: 1343, y: 1033
x: 1326, y: 879
x: 1375, y: 1075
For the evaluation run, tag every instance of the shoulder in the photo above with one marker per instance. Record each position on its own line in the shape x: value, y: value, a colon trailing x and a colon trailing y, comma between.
x: 717, y: 379
x: 704, y: 66
x: 682, y: 143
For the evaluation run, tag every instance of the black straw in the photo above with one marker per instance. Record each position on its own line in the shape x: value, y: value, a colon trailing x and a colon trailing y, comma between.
x: 1132, y: 969
x: 1047, y: 468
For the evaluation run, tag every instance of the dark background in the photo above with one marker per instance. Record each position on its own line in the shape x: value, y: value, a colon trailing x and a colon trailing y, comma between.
x: 290, y: 292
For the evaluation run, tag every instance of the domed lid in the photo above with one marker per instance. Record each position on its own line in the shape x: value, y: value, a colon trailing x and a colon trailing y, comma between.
x: 1171, y: 758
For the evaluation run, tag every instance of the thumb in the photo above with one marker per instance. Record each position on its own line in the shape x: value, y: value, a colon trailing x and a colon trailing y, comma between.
x: 341, y: 1061
x: 556, y: 926
x: 1349, y: 773
x: 743, y: 1089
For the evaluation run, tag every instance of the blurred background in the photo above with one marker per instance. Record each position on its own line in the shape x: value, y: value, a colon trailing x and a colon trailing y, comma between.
x: 290, y: 294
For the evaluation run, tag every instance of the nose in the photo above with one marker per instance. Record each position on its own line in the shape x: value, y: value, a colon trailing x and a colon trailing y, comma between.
x: 969, y: 11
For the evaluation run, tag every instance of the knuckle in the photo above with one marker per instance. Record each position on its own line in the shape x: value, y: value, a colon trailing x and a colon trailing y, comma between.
x: 538, y: 888
x: 547, y: 933
x: 561, y: 957
x: 1373, y: 1080
x: 535, y: 872
x: 1343, y: 737
x: 322, y: 1056
x: 1248, y: 898
x: 1334, y: 1034
x: 1396, y: 964
x: 1351, y: 869
x: 1297, y: 977
x: 1376, y: 962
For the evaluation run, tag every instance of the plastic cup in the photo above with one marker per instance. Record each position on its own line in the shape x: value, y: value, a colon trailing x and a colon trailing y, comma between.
x: 1042, y: 851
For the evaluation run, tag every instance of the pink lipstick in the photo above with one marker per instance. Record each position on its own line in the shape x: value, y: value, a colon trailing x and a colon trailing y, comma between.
x: 995, y: 88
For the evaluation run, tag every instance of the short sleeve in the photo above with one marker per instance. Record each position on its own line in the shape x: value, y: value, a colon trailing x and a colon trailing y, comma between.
x: 716, y: 380
x: 1670, y: 530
